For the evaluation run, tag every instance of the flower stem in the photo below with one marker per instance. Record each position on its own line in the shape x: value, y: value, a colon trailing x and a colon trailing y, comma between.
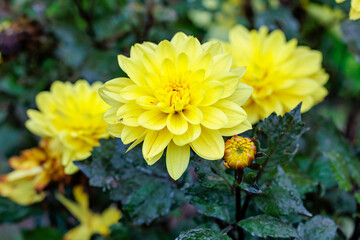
x: 239, y: 173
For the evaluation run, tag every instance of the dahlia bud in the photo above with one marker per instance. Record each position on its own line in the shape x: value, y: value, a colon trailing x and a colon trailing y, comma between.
x: 239, y: 152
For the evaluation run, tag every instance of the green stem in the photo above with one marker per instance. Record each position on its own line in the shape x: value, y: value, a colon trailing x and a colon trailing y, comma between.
x: 239, y: 173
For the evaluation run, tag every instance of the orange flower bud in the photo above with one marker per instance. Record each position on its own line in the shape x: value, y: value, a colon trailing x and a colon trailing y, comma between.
x: 239, y: 152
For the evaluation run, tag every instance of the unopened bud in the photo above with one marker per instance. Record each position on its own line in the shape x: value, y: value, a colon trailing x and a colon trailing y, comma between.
x: 239, y: 152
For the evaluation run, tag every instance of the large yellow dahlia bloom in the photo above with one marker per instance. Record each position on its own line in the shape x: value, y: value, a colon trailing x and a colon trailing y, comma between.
x: 179, y: 94
x: 281, y: 73
x: 354, y: 10
x: 73, y: 115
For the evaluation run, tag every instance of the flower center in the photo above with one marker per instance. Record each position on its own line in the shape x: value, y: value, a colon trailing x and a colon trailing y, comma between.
x: 174, y: 95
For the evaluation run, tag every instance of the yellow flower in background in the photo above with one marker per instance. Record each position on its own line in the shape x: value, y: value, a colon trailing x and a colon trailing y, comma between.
x: 179, y: 94
x: 34, y: 169
x: 281, y: 73
x: 239, y: 152
x: 21, y: 191
x: 72, y: 114
x: 354, y: 10
x: 90, y: 222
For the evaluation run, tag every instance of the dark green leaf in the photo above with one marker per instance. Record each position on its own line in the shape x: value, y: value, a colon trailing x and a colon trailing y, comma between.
x: 299, y: 179
x: 281, y: 198
x: 44, y: 233
x: 320, y: 170
x: 329, y: 139
x: 340, y: 170
x: 267, y: 226
x: 202, y: 234
x: 318, y: 227
x: 282, y: 137
x: 146, y: 192
x: 249, y: 185
x: 212, y: 195
x: 12, y: 212
x: 211, y: 174
x: 215, y: 202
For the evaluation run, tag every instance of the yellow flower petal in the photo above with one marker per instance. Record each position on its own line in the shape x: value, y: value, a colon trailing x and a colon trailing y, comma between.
x: 176, y: 123
x: 110, y: 216
x: 19, y: 174
x: 154, y: 159
x: 130, y: 134
x: 222, y: 63
x: 155, y: 142
x: 229, y: 80
x: 137, y: 142
x: 177, y: 159
x: 129, y: 113
x: 234, y: 113
x: 73, y: 207
x: 242, y: 127
x: 179, y: 38
x: 81, y: 197
x: 192, y: 114
x: 110, y: 116
x: 165, y: 50
x: 115, y: 129
x: 209, y: 145
x: 213, y: 92
x: 147, y: 102
x: 133, y: 68
x: 214, y: 118
x: 311, y: 58
x: 71, y: 168
x: 303, y: 87
x: 139, y: 50
x: 153, y: 119
x: 133, y: 92
x: 189, y: 136
x: 192, y: 48
x: 241, y: 94
x: 182, y: 63
x: 110, y: 92
x: 78, y: 233
x: 22, y: 192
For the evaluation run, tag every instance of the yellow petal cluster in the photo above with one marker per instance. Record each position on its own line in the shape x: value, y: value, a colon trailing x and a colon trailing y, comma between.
x: 90, y: 222
x: 239, y: 152
x: 179, y: 94
x: 354, y: 10
x: 33, y: 171
x: 281, y: 73
x: 72, y: 114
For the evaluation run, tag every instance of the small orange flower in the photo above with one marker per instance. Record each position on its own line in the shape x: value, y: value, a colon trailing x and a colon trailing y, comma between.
x: 34, y: 169
x: 239, y: 152
x: 45, y: 156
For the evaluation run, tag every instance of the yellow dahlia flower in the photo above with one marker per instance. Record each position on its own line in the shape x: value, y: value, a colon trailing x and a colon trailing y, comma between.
x: 72, y: 114
x: 90, y: 222
x: 179, y: 94
x: 281, y: 73
x: 239, y: 152
x: 34, y: 169
x: 354, y: 10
